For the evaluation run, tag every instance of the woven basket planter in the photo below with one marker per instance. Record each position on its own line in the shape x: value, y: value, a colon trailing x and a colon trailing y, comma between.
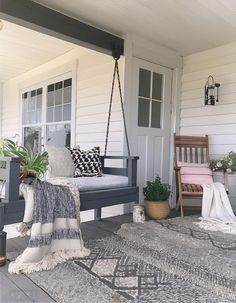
x: 157, y: 210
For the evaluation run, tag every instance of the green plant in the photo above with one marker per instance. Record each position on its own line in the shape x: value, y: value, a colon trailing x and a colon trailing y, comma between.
x: 232, y: 157
x: 156, y: 190
x: 31, y: 164
x: 224, y: 163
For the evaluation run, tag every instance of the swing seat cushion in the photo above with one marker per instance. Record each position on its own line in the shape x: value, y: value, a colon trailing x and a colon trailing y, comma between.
x: 98, y: 183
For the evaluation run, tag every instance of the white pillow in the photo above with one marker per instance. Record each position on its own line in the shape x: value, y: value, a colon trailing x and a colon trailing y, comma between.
x: 60, y: 163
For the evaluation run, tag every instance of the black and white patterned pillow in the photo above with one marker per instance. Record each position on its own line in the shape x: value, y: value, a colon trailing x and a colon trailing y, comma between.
x: 87, y: 162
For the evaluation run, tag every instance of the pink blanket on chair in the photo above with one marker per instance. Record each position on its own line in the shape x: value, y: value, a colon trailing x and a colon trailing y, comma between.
x: 192, y: 173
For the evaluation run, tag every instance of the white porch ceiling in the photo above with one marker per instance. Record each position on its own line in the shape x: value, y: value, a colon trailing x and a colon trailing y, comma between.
x: 187, y: 26
x: 22, y: 49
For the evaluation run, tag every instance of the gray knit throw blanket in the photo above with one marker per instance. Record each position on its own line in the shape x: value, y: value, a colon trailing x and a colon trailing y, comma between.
x: 52, y: 218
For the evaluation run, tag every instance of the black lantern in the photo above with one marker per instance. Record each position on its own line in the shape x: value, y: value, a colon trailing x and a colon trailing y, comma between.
x: 211, y: 91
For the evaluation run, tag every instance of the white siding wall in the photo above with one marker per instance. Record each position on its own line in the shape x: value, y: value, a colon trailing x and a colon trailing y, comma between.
x: 218, y: 121
x: 10, y: 110
x: 93, y: 71
x: 94, y: 86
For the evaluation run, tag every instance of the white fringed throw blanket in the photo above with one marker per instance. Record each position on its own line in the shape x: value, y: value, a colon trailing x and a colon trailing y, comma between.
x: 217, y: 213
x: 53, y: 220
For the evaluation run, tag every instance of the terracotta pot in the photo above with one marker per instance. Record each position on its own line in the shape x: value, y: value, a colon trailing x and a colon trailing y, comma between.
x: 157, y: 209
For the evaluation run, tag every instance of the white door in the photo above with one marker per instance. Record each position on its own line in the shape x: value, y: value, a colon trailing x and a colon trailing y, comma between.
x: 151, y: 111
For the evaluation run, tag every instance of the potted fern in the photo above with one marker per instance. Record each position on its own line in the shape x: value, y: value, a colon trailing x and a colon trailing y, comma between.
x: 31, y: 164
x: 156, y: 201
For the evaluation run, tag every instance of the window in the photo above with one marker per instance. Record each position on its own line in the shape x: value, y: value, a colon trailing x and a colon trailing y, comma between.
x: 58, y: 116
x: 59, y: 101
x: 32, y: 118
x: 46, y: 115
x: 150, y: 99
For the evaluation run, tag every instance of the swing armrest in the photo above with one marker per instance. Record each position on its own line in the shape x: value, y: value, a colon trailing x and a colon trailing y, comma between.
x: 130, y: 169
x: 9, y: 176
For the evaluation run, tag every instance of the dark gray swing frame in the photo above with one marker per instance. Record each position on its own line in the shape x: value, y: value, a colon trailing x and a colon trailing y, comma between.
x: 12, y: 205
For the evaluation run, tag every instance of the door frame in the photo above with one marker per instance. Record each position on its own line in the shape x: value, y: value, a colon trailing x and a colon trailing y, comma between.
x: 164, y: 132
x: 175, y: 108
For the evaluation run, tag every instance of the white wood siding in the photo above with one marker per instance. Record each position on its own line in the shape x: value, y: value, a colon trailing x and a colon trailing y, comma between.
x: 94, y: 86
x: 10, y: 110
x: 218, y: 121
x: 93, y: 72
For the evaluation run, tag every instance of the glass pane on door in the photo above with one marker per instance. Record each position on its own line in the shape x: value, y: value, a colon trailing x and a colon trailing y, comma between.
x: 143, y: 112
x: 156, y: 114
x: 59, y: 135
x: 144, y: 83
x: 32, y: 138
x: 157, y: 86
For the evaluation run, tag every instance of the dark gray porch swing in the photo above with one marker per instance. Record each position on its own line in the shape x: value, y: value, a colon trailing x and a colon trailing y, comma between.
x: 12, y: 205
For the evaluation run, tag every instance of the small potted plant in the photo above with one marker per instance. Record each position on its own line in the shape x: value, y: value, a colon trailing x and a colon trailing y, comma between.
x: 156, y: 201
x: 31, y: 164
x: 222, y: 164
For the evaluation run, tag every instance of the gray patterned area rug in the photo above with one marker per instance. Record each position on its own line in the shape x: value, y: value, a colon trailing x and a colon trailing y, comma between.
x: 158, y: 261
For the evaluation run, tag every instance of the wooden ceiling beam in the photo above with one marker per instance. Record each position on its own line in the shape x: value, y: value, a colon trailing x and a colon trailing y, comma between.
x: 47, y: 21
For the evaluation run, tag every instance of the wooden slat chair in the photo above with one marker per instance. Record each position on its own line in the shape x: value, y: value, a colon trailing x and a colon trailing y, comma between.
x: 191, y: 149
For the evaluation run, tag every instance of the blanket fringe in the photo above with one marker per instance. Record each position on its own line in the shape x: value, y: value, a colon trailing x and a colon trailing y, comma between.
x: 48, y: 262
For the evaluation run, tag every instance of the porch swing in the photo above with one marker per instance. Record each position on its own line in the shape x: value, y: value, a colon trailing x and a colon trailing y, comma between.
x: 12, y: 204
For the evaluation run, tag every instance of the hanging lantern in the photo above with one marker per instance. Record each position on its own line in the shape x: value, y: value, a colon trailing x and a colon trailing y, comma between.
x: 211, y: 91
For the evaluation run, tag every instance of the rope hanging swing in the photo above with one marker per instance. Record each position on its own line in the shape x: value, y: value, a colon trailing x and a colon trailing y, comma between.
x: 116, y: 57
